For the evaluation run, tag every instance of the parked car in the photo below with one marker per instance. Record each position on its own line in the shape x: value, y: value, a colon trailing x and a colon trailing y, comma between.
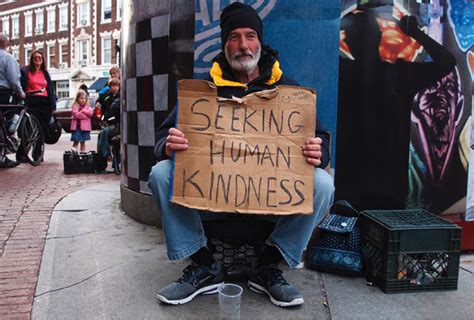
x: 63, y: 113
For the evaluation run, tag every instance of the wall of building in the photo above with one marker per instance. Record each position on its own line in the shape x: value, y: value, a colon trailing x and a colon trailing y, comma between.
x: 60, y: 43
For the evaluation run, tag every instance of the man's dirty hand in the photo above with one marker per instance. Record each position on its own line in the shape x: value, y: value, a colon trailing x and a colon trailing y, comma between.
x: 175, y: 141
x: 312, y: 151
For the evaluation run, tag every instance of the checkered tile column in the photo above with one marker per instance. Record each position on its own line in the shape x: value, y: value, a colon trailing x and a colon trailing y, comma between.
x: 158, y: 52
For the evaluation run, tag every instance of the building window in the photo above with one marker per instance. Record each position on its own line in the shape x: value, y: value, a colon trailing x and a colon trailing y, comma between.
x: 83, y: 14
x: 16, y: 54
x: 63, y: 18
x: 83, y: 52
x: 15, y: 27
x: 39, y: 22
x: 52, y: 20
x: 62, y: 89
x: 28, y: 25
x: 63, y: 56
x: 106, y: 50
x: 40, y: 49
x: 52, y: 56
x: 106, y: 10
x: 119, y: 9
x: 6, y: 27
x: 28, y: 52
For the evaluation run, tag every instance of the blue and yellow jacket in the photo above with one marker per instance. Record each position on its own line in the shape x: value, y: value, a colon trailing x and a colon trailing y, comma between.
x: 221, y: 75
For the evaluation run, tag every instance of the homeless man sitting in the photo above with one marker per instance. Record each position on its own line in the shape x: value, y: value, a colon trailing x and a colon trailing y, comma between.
x: 244, y: 66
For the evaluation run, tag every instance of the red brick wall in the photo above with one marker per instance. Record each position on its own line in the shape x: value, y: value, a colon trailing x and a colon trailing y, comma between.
x: 72, y: 23
x: 45, y: 36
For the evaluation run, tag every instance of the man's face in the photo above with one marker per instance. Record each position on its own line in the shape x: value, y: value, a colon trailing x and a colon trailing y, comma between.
x: 242, y: 49
x: 439, y: 109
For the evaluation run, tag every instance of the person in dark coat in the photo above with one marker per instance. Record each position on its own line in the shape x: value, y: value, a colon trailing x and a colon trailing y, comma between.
x: 244, y: 66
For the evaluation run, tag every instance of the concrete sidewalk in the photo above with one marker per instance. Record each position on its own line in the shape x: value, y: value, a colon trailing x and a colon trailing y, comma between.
x: 100, y: 264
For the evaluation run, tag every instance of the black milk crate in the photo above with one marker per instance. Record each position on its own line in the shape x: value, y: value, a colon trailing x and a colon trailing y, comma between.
x: 410, y: 250
x: 83, y: 162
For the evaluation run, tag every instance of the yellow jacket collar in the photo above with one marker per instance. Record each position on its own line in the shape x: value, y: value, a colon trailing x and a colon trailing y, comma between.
x: 216, y: 75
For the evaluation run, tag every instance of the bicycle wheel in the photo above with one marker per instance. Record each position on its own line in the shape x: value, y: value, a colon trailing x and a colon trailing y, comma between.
x: 3, y: 144
x: 32, y: 142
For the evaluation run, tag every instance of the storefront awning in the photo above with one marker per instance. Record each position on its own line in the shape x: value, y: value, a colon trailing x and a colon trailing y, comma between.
x: 98, y: 84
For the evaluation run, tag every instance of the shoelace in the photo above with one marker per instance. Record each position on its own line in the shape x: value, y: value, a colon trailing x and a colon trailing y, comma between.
x: 275, y: 276
x: 189, y: 272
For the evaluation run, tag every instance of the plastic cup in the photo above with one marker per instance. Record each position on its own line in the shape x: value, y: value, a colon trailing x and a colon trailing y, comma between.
x: 229, y: 301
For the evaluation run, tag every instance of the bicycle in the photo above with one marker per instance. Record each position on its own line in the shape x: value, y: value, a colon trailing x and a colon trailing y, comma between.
x: 30, y: 146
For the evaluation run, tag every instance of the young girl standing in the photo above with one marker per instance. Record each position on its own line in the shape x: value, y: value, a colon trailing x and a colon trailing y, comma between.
x: 81, y: 120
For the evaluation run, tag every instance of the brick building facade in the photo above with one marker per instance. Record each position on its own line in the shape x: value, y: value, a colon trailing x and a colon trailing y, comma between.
x: 78, y: 38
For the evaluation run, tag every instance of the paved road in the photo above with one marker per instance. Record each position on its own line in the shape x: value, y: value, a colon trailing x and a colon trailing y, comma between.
x: 27, y: 197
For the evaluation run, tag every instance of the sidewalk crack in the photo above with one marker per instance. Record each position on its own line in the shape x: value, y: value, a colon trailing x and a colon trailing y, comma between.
x: 76, y: 235
x: 467, y: 270
x: 325, y: 296
x: 77, y: 283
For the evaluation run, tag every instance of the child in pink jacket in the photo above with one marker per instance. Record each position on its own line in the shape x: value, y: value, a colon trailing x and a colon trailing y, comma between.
x: 81, y: 120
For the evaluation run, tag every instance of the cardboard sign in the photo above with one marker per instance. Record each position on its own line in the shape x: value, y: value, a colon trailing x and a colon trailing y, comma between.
x: 245, y: 155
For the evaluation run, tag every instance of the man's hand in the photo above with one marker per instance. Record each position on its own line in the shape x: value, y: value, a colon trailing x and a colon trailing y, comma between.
x: 175, y: 141
x: 312, y: 151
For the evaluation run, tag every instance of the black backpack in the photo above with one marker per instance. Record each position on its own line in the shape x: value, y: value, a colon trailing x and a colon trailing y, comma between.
x: 52, y: 131
x: 337, y: 248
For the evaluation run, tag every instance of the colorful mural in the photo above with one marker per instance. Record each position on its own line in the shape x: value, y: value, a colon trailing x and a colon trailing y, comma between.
x: 403, y: 104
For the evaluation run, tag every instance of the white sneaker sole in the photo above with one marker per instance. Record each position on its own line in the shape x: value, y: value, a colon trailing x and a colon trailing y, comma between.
x: 259, y: 289
x: 204, y: 290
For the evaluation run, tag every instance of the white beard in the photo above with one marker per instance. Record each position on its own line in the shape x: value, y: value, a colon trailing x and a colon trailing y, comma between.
x: 243, y: 64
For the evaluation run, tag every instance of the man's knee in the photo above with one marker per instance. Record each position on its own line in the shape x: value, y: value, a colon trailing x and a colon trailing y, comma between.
x: 160, y: 175
x: 323, y: 185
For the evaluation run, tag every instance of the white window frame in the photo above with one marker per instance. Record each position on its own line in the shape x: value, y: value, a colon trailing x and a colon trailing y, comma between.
x: 104, y: 39
x: 40, y: 47
x: 119, y: 10
x: 28, y: 54
x: 49, y: 55
x: 62, y: 63
x: 62, y: 90
x: 81, y: 52
x: 28, y: 24
x: 63, y: 17
x: 39, y: 25
x: 6, y: 26
x: 51, y: 22
x: 16, y: 54
x: 15, y: 27
x: 83, y: 18
x: 103, y: 3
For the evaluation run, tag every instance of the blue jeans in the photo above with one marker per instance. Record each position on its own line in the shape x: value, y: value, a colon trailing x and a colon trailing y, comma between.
x: 184, y: 232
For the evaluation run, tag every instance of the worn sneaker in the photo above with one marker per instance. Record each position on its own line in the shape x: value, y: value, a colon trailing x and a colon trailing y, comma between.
x: 196, y: 280
x: 269, y: 280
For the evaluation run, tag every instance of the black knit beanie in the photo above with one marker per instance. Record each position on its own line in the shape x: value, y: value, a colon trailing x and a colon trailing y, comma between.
x: 239, y: 15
